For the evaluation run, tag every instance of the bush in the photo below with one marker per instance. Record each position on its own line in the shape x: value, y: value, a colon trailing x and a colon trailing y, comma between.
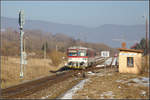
x: 56, y: 57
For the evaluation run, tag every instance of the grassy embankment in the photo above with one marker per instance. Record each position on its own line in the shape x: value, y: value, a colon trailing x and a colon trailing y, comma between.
x: 35, y: 68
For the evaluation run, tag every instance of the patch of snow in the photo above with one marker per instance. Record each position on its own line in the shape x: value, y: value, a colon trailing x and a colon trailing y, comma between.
x: 143, y: 81
x: 100, y: 66
x: 143, y: 93
x: 119, y: 87
x: 119, y: 81
x: 45, y: 97
x: 109, y: 74
x: 100, y: 74
x: 91, y: 73
x: 109, y: 94
x: 108, y: 61
x: 114, y: 61
x: 122, y: 81
x: 98, y: 59
x: 137, y: 80
x: 71, y: 92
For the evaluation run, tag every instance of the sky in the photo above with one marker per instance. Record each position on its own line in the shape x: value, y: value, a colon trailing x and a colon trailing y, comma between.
x: 85, y: 13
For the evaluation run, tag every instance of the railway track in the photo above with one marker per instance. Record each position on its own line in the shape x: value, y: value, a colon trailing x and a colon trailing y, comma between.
x: 24, y: 89
x: 27, y: 88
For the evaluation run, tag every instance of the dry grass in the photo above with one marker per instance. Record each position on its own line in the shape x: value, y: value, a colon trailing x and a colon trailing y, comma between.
x: 56, y: 57
x: 10, y: 70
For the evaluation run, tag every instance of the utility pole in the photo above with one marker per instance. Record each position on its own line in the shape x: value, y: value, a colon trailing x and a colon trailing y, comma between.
x: 85, y: 39
x: 79, y: 39
x: 45, y: 51
x: 147, y: 50
x: 146, y: 38
x: 21, y: 23
x: 56, y: 47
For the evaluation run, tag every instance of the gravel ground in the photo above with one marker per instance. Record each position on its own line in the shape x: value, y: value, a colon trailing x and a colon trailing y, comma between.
x: 109, y: 84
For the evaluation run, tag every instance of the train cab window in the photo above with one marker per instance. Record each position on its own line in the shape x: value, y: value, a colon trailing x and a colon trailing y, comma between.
x: 72, y: 53
x: 82, y: 53
x: 87, y: 53
x: 95, y: 54
x: 130, y: 62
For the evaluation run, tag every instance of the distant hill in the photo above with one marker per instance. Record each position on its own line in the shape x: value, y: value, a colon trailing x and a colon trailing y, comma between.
x: 109, y: 34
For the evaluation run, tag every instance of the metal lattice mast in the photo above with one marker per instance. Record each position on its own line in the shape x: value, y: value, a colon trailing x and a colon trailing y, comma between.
x: 21, y: 23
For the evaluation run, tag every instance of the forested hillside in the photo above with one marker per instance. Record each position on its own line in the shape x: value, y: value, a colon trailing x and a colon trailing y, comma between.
x: 35, y: 40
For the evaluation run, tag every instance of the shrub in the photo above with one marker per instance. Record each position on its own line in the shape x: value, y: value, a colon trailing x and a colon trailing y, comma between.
x: 56, y: 57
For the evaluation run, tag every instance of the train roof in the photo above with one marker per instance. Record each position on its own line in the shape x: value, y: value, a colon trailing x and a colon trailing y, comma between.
x: 79, y: 47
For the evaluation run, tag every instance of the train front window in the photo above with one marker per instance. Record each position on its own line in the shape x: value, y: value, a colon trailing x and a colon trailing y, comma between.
x: 72, y: 53
x: 81, y: 53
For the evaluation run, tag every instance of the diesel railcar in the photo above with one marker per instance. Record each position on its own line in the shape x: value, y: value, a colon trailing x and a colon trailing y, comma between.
x: 80, y: 57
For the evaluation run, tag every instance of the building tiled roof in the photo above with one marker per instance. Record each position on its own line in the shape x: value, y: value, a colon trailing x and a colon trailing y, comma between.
x: 130, y: 50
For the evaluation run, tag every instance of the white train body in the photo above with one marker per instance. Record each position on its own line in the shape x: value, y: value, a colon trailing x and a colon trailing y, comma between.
x: 80, y: 57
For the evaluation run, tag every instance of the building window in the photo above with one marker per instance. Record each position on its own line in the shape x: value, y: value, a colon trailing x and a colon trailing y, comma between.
x: 130, y: 62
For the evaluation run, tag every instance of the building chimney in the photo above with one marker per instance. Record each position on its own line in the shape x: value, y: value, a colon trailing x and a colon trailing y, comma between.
x: 123, y: 45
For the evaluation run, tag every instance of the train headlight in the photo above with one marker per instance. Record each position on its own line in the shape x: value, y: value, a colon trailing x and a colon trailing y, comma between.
x: 65, y: 64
